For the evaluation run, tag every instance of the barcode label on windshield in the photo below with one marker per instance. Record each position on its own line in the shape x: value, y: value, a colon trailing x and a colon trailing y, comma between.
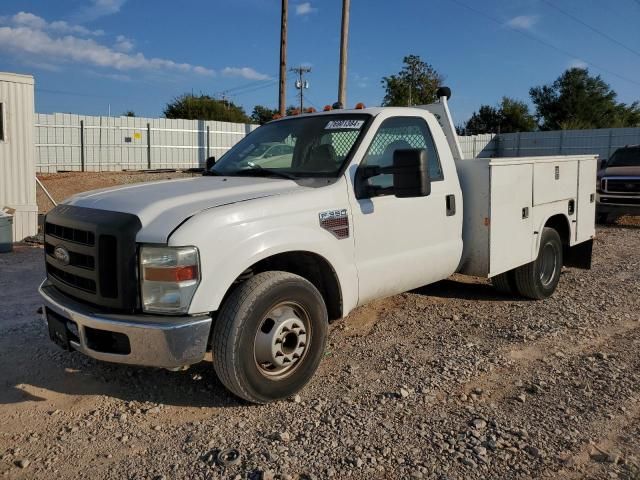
x: 344, y: 125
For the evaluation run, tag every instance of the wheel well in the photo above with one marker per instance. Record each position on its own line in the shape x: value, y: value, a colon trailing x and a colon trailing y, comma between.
x: 315, y: 268
x: 561, y: 225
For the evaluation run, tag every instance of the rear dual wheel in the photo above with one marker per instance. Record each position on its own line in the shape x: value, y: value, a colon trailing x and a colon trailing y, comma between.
x: 269, y: 336
x: 540, y: 278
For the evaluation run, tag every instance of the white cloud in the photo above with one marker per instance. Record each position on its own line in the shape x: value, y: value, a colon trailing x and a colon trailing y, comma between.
x: 63, y: 27
x: 305, y: 8
x: 577, y: 63
x: 123, y: 44
x: 360, y: 81
x: 26, y: 19
x: 36, y: 45
x: 49, y: 45
x: 523, y: 22
x: 97, y: 9
x: 244, y: 72
x: 29, y: 20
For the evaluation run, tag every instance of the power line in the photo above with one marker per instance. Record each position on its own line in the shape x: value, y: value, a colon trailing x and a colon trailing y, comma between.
x: 251, y: 84
x: 306, y: 97
x: 249, y: 87
x: 254, y: 89
x: 544, y: 42
x: 593, y: 29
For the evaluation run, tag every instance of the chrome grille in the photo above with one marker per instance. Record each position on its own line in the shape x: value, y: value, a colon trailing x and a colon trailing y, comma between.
x: 621, y: 184
x: 91, y: 255
x: 79, y: 272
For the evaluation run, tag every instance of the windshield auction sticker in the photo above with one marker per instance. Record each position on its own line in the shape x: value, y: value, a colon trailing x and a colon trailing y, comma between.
x: 344, y: 125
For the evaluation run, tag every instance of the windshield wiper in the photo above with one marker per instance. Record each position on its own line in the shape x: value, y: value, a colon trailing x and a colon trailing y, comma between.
x: 264, y: 172
x: 211, y: 173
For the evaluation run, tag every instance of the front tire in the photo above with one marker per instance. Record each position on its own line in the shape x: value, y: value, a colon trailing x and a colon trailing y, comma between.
x: 269, y: 336
x: 539, y: 279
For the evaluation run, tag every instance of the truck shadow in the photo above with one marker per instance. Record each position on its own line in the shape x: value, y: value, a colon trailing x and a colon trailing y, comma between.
x: 44, y: 373
x: 462, y: 290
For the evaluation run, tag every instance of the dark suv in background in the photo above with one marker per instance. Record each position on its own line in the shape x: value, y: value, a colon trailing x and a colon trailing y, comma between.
x: 619, y: 185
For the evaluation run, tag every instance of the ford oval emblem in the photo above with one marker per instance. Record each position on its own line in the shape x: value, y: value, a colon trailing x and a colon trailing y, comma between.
x: 62, y: 255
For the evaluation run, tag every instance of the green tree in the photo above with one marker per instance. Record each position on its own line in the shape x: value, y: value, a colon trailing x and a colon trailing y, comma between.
x: 577, y: 100
x: 129, y: 113
x: 262, y: 114
x: 415, y: 84
x: 509, y: 116
x: 204, y: 107
x: 515, y: 116
x: 485, y: 120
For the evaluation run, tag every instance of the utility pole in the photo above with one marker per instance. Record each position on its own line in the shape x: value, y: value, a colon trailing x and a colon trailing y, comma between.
x: 282, y: 101
x: 344, y: 46
x: 225, y: 100
x: 301, y: 83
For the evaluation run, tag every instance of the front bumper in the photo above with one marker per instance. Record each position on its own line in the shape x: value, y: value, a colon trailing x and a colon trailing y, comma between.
x: 618, y: 204
x: 154, y: 340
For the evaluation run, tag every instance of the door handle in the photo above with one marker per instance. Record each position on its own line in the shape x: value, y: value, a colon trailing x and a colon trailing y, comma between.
x: 451, y: 204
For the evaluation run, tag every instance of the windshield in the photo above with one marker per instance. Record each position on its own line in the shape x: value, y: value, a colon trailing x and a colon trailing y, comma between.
x: 316, y: 146
x: 625, y: 157
x: 260, y: 150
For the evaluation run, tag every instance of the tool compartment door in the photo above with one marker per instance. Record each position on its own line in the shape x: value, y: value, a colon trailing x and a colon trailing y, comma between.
x: 586, y: 204
x: 511, y: 234
x: 554, y: 181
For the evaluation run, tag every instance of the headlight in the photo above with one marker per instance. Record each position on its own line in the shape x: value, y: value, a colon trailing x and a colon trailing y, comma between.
x: 169, y: 277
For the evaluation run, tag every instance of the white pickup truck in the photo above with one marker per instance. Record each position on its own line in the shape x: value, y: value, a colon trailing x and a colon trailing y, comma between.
x: 254, y: 259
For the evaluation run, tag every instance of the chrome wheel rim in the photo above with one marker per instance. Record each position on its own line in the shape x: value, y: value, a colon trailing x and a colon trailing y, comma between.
x: 282, y: 340
x: 548, y: 264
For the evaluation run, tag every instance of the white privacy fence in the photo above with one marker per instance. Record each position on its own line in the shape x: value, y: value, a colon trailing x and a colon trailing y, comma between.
x: 477, y: 145
x: 86, y: 143
x: 602, y: 142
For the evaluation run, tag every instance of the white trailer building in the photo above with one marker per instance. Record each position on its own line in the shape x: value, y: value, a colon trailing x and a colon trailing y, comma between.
x: 17, y: 153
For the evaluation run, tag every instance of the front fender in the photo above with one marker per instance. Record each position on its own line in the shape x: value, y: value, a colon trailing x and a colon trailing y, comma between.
x: 231, y: 240
x: 219, y: 273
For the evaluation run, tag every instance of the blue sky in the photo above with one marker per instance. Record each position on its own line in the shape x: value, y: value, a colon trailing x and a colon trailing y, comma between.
x: 137, y: 55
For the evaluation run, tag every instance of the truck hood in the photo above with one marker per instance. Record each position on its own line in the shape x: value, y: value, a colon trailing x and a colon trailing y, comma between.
x: 631, y: 171
x: 162, y: 206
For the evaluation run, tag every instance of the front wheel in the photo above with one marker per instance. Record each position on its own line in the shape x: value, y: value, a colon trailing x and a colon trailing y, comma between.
x: 540, y: 278
x: 269, y: 336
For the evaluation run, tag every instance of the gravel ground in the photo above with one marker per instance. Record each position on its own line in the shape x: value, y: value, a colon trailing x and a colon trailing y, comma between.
x: 451, y: 381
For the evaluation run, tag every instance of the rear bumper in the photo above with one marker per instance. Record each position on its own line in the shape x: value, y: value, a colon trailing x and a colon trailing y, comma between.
x: 153, y: 340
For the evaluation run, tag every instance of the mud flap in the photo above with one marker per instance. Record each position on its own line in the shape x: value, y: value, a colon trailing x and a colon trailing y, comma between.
x: 579, y: 256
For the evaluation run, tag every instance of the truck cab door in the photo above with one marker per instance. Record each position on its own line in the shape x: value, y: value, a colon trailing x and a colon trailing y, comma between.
x: 404, y: 243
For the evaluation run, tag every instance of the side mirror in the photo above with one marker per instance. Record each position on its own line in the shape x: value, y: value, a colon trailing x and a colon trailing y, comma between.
x: 210, y: 162
x: 411, y: 173
x: 603, y: 164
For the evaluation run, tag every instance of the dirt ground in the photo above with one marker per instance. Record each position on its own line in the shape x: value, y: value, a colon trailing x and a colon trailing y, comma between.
x: 450, y: 381
x: 64, y: 185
